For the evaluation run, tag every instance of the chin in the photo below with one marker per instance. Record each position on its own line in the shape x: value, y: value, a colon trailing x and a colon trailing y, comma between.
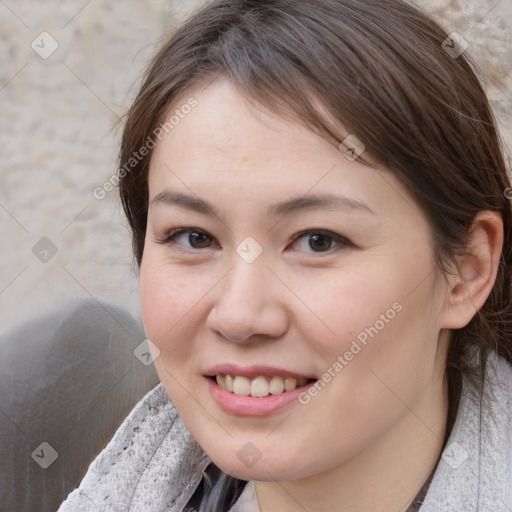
x: 265, y: 469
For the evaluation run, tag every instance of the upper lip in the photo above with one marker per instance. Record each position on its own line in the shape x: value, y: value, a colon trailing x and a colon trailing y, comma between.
x: 253, y: 371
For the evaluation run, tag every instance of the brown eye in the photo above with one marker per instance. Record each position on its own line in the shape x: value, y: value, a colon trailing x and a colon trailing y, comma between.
x: 319, y: 241
x: 198, y: 240
x: 188, y: 238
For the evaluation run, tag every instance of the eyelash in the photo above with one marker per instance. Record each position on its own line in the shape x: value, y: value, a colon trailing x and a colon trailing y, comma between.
x: 170, y: 238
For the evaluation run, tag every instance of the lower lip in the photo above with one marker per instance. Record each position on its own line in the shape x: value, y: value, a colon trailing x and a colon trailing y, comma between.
x: 253, y: 406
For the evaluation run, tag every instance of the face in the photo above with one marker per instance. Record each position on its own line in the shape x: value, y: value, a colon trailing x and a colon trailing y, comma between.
x: 273, y: 260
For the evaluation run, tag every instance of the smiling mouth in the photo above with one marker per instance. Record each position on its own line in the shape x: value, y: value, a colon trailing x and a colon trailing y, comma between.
x: 260, y: 386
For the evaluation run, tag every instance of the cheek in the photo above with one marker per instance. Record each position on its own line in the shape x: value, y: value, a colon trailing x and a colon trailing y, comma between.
x: 171, y: 307
x: 339, y: 308
x: 380, y: 315
x: 172, y: 314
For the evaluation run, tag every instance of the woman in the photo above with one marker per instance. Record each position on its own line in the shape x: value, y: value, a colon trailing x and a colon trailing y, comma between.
x: 318, y: 202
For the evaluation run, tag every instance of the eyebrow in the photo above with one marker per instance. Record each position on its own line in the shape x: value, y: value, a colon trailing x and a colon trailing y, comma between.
x: 307, y: 202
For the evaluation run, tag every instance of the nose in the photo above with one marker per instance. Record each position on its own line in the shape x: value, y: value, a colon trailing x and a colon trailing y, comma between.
x: 249, y: 304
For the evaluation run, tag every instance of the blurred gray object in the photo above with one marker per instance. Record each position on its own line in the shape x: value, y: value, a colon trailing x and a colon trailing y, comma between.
x: 67, y: 381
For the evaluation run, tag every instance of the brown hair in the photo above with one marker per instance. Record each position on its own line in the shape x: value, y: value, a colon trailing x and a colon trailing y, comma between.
x: 380, y: 71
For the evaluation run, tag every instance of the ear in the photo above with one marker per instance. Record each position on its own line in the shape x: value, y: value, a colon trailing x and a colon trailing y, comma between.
x: 476, y: 271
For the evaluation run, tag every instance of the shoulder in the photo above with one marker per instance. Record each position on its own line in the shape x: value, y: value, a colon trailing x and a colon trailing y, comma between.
x: 474, y: 471
x: 152, y: 463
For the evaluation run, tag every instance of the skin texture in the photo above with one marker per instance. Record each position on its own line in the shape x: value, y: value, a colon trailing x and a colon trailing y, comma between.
x: 372, y: 435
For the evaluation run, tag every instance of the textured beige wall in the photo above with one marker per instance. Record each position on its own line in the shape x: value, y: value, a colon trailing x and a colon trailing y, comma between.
x: 56, y: 146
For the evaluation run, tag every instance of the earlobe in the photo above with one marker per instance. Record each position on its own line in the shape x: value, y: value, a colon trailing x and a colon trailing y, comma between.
x: 476, y: 273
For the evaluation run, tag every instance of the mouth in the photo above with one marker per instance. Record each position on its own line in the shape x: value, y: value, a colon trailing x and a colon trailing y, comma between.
x: 259, y: 386
x: 258, y: 390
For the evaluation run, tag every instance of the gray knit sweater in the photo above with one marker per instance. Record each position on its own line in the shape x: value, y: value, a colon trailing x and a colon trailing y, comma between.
x: 153, y: 464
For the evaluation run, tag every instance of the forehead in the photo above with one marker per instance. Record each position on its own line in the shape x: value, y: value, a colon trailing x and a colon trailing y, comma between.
x: 228, y: 147
x: 226, y: 124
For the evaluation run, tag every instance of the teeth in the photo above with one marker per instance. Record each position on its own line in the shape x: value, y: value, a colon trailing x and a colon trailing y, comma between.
x: 276, y: 385
x: 241, y: 386
x: 259, y: 386
x: 290, y: 384
x: 221, y: 381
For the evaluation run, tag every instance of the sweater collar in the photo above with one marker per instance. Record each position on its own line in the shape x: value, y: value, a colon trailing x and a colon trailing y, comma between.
x: 474, y: 471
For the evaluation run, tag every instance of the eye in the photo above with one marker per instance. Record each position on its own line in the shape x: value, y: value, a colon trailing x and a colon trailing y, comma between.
x: 316, y: 241
x: 319, y: 241
x: 196, y: 238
